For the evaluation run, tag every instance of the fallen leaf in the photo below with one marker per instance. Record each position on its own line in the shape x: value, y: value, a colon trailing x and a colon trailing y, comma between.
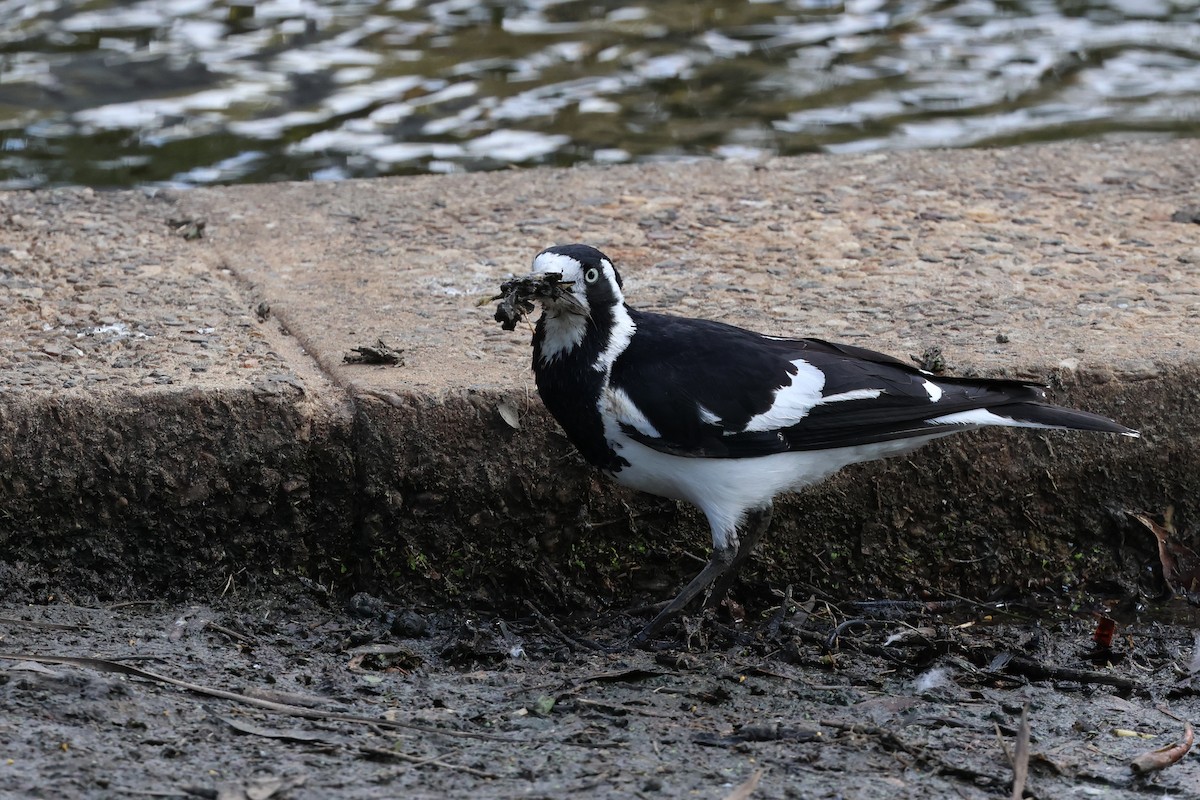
x: 1180, y: 563
x: 743, y: 790
x: 510, y: 416
x: 262, y: 788
x: 1164, y: 757
x: 286, y: 734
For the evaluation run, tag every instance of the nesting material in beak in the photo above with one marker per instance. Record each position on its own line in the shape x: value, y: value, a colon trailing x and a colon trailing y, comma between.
x: 517, y: 297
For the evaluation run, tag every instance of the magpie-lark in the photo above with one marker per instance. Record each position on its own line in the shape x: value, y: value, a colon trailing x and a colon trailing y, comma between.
x: 727, y: 419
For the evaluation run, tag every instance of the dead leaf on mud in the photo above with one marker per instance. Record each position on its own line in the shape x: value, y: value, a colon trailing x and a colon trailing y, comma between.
x: 510, y: 416
x: 743, y: 790
x: 383, y: 658
x: 262, y: 788
x: 1164, y: 757
x: 287, y: 698
x: 285, y: 734
x: 761, y: 732
x: 621, y: 675
x: 1180, y: 563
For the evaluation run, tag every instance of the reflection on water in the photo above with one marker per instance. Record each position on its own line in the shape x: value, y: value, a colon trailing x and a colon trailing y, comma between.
x: 197, y: 91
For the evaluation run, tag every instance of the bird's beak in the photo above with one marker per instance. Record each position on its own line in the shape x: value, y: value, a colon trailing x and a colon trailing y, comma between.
x: 557, y: 296
x: 569, y: 303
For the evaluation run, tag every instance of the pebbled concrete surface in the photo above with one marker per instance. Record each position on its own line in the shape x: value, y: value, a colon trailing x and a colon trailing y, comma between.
x: 177, y: 413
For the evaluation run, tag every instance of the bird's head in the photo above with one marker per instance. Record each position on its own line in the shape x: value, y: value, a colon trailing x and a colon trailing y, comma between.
x: 595, y: 283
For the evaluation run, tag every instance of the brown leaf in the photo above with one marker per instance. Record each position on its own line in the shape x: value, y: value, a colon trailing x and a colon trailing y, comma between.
x: 1164, y: 757
x: 743, y: 790
x: 1180, y: 564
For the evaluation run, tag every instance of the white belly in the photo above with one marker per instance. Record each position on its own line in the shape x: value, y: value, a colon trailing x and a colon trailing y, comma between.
x: 725, y: 488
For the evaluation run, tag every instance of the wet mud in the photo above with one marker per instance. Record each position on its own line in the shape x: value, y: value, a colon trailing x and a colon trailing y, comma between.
x: 300, y: 695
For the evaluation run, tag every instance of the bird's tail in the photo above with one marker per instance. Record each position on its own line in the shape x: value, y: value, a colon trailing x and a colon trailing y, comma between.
x: 1044, y: 415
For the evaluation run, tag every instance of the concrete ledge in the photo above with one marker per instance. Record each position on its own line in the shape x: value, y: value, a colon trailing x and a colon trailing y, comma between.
x: 176, y: 413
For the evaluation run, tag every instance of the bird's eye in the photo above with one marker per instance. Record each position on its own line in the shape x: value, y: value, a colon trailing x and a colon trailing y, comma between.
x: 592, y: 275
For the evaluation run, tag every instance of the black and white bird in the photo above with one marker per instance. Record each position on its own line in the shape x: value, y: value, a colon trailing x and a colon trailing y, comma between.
x: 726, y: 419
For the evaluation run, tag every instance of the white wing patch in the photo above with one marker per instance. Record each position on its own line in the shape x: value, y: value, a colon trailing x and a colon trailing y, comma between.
x: 706, y: 416
x: 620, y: 406
x: 981, y: 416
x: 933, y: 390
x: 793, y: 401
x: 853, y: 394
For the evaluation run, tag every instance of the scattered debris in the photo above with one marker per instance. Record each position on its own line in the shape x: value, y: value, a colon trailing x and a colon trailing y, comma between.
x: 383, y: 658
x: 436, y: 761
x: 259, y: 788
x: 517, y: 295
x: 1187, y: 214
x: 190, y: 229
x: 762, y: 732
x: 378, y: 353
x: 1025, y: 666
x: 931, y: 360
x: 762, y: 694
x: 107, y: 665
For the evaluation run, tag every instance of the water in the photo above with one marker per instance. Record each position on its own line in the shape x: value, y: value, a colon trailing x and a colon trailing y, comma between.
x: 199, y: 91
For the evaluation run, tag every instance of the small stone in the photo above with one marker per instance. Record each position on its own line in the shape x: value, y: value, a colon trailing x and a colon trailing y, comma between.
x: 409, y: 624
x: 1187, y: 214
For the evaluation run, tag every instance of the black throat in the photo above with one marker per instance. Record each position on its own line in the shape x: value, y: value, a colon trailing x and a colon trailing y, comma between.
x: 570, y: 387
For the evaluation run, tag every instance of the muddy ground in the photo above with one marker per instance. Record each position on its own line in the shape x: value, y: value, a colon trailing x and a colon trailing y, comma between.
x: 298, y: 694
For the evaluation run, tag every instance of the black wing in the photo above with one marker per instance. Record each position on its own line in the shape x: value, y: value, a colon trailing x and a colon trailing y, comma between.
x: 706, y: 389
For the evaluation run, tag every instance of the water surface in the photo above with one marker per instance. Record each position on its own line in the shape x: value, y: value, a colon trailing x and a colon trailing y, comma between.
x: 199, y: 92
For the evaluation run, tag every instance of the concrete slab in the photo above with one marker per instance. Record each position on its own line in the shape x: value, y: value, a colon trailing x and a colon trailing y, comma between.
x: 1059, y: 262
x: 1068, y: 251
x: 153, y: 430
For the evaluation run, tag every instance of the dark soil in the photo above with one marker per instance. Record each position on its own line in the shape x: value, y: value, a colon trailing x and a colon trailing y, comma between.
x: 303, y: 696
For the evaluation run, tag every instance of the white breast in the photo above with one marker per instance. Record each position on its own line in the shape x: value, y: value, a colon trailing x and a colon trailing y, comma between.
x: 725, y: 488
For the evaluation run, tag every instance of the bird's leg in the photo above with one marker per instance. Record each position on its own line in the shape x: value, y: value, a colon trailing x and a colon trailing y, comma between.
x: 722, y: 568
x: 722, y: 559
x: 757, y: 522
